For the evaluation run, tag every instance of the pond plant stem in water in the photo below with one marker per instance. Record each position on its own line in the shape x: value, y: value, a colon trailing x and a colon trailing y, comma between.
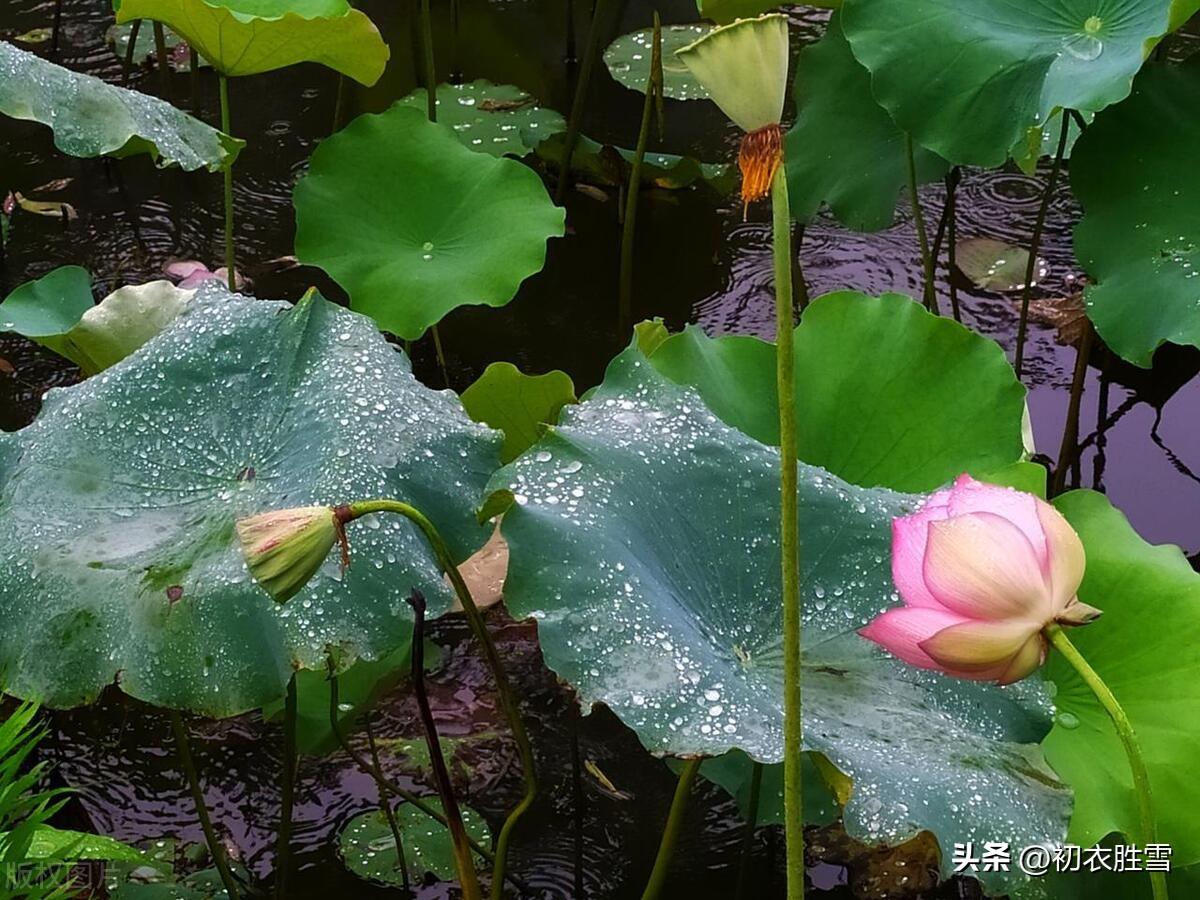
x: 929, y: 291
x: 747, y: 852
x: 596, y: 31
x: 215, y: 848
x: 227, y: 174
x: 952, y: 179
x: 1067, y: 450
x: 1058, y: 639
x: 428, y: 62
x: 508, y: 702
x: 385, y: 804
x: 283, y: 845
x: 461, y: 849
x: 1035, y: 242
x: 127, y: 70
x: 163, y: 60
x: 651, y: 102
x: 666, y: 846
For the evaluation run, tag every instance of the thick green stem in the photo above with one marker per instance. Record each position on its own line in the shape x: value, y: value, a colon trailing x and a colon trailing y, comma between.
x: 666, y: 846
x: 1035, y: 242
x: 283, y: 844
x: 756, y: 775
x: 427, y: 60
x: 215, y: 849
x: 227, y: 172
x: 789, y: 541
x: 653, y: 86
x: 1137, y: 764
x: 930, y: 290
x: 596, y: 32
x: 508, y: 700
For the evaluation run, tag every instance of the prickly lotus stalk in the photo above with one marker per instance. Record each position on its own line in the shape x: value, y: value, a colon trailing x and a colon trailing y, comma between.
x: 285, y: 548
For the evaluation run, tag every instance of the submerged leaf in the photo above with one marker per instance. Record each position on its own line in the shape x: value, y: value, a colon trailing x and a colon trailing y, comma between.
x: 92, y: 118
x: 996, y: 265
x: 499, y: 119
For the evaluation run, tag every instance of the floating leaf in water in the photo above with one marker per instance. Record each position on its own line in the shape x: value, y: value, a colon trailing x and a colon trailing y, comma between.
x: 844, y: 149
x: 413, y: 224
x: 888, y: 394
x: 722, y: 11
x: 628, y: 60
x: 244, y: 37
x: 120, y: 562
x: 369, y: 849
x: 35, y: 36
x: 517, y: 404
x: 610, y: 165
x: 499, y: 119
x: 643, y: 540
x: 1135, y: 173
x: 996, y: 265
x: 1147, y: 649
x: 968, y: 78
x: 92, y: 118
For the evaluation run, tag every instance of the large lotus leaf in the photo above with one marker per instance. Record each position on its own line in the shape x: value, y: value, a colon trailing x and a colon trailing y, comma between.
x: 643, y: 540
x: 119, y: 561
x: 967, y: 78
x: 413, y: 224
x: 90, y: 117
x: 1135, y: 173
x: 500, y: 119
x: 1147, y: 649
x: 628, y: 60
x: 886, y: 394
x: 244, y: 37
x: 844, y: 149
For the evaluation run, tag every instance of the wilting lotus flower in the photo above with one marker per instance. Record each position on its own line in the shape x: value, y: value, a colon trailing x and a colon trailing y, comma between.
x: 286, y: 547
x: 744, y: 67
x: 189, y: 273
x: 982, y: 570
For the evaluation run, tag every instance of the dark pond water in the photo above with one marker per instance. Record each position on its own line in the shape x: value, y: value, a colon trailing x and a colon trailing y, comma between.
x: 697, y: 261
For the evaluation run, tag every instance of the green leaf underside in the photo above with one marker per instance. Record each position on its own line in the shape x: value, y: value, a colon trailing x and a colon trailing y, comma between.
x: 245, y: 37
x: 733, y: 772
x: 643, y: 541
x: 92, y: 118
x: 844, y: 149
x: 1135, y: 174
x: 888, y: 394
x: 413, y: 224
x: 1147, y: 649
x: 45, y: 309
x: 967, y: 77
x: 369, y: 849
x: 628, y: 60
x: 118, y: 507
x: 500, y: 119
x: 508, y: 400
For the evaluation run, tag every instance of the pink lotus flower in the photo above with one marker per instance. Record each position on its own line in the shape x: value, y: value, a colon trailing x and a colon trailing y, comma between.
x: 189, y: 274
x: 981, y: 570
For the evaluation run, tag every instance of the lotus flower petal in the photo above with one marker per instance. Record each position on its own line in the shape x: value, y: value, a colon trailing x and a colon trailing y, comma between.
x: 1065, y: 557
x: 909, y: 537
x: 980, y: 650
x: 1021, y: 509
x: 900, y: 631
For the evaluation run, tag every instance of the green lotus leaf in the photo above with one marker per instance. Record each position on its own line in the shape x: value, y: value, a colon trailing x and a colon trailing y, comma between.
x: 118, y: 504
x: 844, y: 149
x: 45, y: 310
x: 499, y: 119
x: 628, y: 60
x: 413, y: 224
x: 90, y: 117
x: 967, y: 78
x: 643, y: 540
x: 1135, y: 173
x: 59, y: 844
x: 507, y: 399
x: 1147, y: 649
x: 245, y: 37
x: 610, y: 165
x: 723, y: 11
x: 734, y: 772
x: 369, y: 849
x: 886, y: 394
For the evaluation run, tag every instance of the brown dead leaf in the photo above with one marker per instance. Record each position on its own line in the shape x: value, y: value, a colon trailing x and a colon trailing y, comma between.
x: 879, y: 873
x: 1067, y: 315
x: 51, y: 186
x: 484, y: 572
x: 6, y: 367
x: 493, y: 105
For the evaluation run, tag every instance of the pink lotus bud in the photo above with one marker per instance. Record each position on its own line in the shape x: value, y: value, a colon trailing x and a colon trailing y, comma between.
x: 286, y: 547
x: 981, y: 570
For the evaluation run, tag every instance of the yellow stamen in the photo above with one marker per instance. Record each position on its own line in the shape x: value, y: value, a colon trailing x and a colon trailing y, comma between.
x: 759, y: 158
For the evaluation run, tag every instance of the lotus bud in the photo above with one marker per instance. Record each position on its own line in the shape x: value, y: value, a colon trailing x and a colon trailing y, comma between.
x: 286, y: 547
x: 744, y: 68
x: 981, y: 570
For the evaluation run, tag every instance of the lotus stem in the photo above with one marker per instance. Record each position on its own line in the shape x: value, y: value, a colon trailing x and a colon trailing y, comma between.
x: 1141, y: 778
x: 570, y: 52
x: 653, y: 91
x: 428, y: 61
x: 577, y: 802
x: 508, y: 701
x: 1070, y: 437
x: 789, y: 543
x: 952, y: 179
x: 215, y: 849
x: 283, y: 846
x: 756, y: 774
x: 467, y: 879
x: 930, y: 291
x: 455, y: 73
x: 56, y: 28
x: 227, y: 173
x: 194, y: 79
x: 440, y: 354
x: 666, y: 846
x: 381, y: 780
x: 1035, y: 242
x: 134, y: 30
x: 385, y: 804
x: 596, y: 31
x: 163, y: 58
x: 799, y: 284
